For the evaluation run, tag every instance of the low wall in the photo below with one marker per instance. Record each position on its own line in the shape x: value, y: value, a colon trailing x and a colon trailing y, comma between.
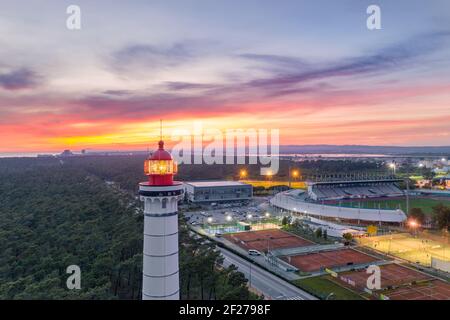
x: 440, y: 264
x: 289, y: 201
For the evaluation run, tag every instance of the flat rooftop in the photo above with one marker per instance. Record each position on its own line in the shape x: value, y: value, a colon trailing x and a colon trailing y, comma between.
x: 353, y: 182
x: 200, y: 184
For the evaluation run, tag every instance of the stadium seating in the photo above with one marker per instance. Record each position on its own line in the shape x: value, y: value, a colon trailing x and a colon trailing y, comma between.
x: 349, y: 190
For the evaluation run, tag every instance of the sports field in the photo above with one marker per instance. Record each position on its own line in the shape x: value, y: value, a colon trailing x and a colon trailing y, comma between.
x: 328, y: 259
x: 398, y: 283
x: 426, y: 204
x: 267, y: 239
x: 418, y: 249
x: 325, y: 288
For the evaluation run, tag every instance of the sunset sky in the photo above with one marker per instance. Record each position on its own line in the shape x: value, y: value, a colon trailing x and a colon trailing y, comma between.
x: 309, y: 68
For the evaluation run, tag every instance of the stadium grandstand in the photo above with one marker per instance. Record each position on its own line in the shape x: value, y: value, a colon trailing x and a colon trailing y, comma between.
x: 319, y: 191
x: 321, y: 198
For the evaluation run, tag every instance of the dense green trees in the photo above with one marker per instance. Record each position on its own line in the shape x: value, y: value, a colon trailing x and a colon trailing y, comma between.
x: 318, y: 232
x: 442, y: 216
x: 57, y: 213
x: 53, y: 217
x: 348, y: 236
x: 128, y: 170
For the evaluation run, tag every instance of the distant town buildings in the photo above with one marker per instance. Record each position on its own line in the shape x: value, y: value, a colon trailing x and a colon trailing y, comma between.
x: 66, y: 153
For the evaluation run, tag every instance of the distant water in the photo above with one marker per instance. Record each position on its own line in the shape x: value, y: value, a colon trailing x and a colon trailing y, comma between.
x: 19, y: 155
x: 337, y: 155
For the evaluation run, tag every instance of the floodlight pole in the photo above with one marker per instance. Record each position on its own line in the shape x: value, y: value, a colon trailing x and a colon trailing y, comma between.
x: 250, y: 275
x: 289, y: 174
x: 407, y: 196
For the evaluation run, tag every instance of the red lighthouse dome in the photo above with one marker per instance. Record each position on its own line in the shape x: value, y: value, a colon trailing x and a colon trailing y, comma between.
x: 161, y: 154
x: 160, y: 167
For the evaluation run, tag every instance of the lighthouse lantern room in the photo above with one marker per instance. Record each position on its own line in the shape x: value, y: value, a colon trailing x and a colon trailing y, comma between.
x: 160, y: 167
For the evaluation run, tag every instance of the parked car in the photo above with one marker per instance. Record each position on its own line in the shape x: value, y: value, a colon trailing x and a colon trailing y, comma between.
x: 253, y: 252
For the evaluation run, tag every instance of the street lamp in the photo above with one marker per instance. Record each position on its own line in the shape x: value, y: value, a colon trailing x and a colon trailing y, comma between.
x: 229, y: 218
x: 267, y: 216
x: 209, y: 220
x: 269, y: 175
x: 293, y: 173
x: 249, y: 216
x: 393, y: 166
x: 243, y: 174
x: 414, y: 225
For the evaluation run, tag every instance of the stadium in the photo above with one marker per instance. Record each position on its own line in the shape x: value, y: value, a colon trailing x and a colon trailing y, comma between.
x: 330, y: 201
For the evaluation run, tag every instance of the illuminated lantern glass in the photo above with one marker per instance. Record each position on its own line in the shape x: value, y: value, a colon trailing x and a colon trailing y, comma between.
x: 160, y: 167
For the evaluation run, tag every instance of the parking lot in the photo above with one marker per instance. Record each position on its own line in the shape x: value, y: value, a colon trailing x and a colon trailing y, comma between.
x: 254, y: 211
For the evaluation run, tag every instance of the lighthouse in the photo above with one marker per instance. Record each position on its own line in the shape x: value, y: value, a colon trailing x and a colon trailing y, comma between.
x: 160, y: 194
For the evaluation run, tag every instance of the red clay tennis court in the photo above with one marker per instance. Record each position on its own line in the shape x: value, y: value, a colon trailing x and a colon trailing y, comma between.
x: 327, y: 259
x: 407, y: 283
x: 391, y: 275
x: 263, y: 239
x: 430, y: 290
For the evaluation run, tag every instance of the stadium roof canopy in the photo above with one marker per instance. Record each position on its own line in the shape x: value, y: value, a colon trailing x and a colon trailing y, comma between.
x: 209, y: 184
x: 355, y: 182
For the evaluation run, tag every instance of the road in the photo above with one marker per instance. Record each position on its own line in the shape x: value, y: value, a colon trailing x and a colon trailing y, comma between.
x: 270, y: 285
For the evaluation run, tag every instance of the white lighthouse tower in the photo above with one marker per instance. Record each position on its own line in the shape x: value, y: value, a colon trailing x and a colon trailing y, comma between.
x: 160, y: 279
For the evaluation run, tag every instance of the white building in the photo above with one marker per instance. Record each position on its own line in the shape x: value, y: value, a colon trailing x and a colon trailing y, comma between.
x: 218, y: 191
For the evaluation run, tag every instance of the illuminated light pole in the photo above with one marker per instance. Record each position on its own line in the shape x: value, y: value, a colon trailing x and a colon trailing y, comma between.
x: 414, y: 225
x: 210, y: 221
x: 393, y: 166
x: 294, y: 175
x: 160, y: 194
x: 269, y: 177
x: 267, y: 215
x: 242, y: 174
